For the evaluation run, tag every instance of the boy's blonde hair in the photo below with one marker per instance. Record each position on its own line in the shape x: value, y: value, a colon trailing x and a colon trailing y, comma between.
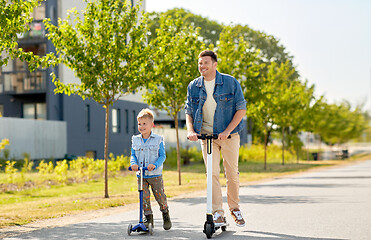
x: 146, y: 113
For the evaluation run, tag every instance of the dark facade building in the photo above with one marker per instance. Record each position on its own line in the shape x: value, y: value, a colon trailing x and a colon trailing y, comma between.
x: 30, y: 95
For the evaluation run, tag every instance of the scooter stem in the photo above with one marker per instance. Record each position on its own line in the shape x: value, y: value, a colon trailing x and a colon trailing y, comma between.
x: 209, y: 177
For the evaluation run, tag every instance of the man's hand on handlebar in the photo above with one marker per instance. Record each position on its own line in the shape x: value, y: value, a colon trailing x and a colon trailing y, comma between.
x: 223, y: 135
x: 192, y: 136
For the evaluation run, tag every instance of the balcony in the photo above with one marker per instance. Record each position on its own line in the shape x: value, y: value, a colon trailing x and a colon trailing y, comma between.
x: 36, y: 31
x: 23, y: 82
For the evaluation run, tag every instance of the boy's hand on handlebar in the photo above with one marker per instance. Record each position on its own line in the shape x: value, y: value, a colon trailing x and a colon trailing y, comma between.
x: 192, y: 136
x: 151, y: 167
x: 134, y: 167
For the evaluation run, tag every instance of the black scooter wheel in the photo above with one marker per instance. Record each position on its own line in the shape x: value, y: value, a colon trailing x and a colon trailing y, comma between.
x: 129, y: 229
x: 208, y: 230
x: 224, y: 228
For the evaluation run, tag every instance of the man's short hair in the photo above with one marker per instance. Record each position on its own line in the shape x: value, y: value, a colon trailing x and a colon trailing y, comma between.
x: 146, y: 113
x: 209, y: 53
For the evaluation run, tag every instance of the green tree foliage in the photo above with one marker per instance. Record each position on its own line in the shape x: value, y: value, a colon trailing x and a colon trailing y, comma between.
x: 15, y: 17
x: 237, y: 58
x: 338, y: 123
x: 209, y: 29
x: 106, y: 49
x: 174, y: 58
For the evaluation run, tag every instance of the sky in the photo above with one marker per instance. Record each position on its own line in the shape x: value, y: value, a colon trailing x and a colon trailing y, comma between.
x: 330, y: 40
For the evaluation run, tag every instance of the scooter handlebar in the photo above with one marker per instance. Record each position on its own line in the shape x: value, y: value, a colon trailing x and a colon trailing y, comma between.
x: 144, y: 168
x: 208, y: 136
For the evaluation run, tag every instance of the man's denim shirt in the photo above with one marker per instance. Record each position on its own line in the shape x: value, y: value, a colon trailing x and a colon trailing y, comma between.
x: 228, y: 97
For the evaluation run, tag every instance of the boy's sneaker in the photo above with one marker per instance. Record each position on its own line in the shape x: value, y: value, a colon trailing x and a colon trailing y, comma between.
x: 167, y: 221
x: 237, y: 216
x: 148, y: 220
x: 218, y: 219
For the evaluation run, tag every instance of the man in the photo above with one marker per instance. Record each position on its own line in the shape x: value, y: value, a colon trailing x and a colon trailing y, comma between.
x: 215, y: 105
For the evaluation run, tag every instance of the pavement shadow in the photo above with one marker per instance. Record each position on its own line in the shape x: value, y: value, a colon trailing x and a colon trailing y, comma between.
x: 258, y: 235
x: 296, y: 185
x: 259, y: 199
x: 339, y: 177
x: 112, y: 231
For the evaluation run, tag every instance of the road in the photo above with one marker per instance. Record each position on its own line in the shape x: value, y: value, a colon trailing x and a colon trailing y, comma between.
x: 331, y: 203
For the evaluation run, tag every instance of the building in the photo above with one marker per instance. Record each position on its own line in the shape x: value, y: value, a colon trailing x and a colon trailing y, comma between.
x: 31, y: 95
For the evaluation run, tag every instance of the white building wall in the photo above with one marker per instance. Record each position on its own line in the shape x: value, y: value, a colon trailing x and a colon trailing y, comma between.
x: 41, y: 139
x: 169, y: 135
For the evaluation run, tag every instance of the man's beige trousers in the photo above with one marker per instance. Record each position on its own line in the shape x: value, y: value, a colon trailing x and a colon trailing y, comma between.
x: 229, y: 149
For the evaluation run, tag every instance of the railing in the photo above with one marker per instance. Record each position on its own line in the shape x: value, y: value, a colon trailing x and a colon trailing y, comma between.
x: 23, y: 82
x: 37, y: 30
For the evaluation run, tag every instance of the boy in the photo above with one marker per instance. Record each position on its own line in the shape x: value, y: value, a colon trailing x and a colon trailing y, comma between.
x: 148, y: 151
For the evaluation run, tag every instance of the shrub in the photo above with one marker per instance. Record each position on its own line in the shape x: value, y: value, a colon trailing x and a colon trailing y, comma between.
x: 187, y: 156
x: 11, y: 171
x: 255, y: 153
x: 61, y: 170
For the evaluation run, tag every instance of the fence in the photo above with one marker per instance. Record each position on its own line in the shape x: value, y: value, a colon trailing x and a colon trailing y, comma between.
x: 41, y: 139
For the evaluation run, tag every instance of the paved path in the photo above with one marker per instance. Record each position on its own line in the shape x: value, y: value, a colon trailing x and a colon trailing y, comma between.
x: 334, y: 203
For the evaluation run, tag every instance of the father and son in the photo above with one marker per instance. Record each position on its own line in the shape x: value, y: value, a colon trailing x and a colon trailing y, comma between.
x: 215, y: 105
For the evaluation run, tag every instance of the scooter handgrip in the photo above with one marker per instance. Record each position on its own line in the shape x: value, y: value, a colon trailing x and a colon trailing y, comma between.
x: 144, y: 168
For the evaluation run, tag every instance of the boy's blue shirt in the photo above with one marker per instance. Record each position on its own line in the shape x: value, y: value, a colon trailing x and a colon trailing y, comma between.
x: 159, y: 162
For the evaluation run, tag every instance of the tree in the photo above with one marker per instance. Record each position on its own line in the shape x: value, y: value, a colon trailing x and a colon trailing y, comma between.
x: 175, y: 51
x: 264, y: 107
x: 338, y: 123
x: 107, y: 51
x: 209, y: 30
x: 293, y: 111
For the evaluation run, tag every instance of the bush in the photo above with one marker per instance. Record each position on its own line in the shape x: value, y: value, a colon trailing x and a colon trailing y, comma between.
x: 61, y: 170
x: 187, y: 156
x: 11, y: 171
x: 255, y: 153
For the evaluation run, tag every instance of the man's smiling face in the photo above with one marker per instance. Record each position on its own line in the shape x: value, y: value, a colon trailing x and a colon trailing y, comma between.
x: 207, y: 67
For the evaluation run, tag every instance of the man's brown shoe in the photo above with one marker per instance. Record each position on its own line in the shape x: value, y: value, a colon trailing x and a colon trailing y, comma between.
x: 237, y: 216
x: 218, y: 219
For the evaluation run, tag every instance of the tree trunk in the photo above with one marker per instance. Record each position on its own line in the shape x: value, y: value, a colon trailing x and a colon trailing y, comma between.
x: 283, y: 146
x: 177, y: 147
x: 307, y: 146
x: 265, y: 148
x: 106, y: 138
x: 319, y: 148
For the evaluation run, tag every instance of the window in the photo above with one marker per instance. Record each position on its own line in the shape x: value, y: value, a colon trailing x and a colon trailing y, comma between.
x: 127, y: 120
x: 34, y: 111
x: 91, y: 154
x: 116, y: 120
x: 1, y: 84
x: 134, y: 121
x: 41, y: 111
x: 39, y: 12
x: 87, y: 117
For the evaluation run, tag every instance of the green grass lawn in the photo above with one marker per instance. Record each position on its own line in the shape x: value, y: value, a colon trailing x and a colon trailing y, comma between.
x: 25, y: 206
